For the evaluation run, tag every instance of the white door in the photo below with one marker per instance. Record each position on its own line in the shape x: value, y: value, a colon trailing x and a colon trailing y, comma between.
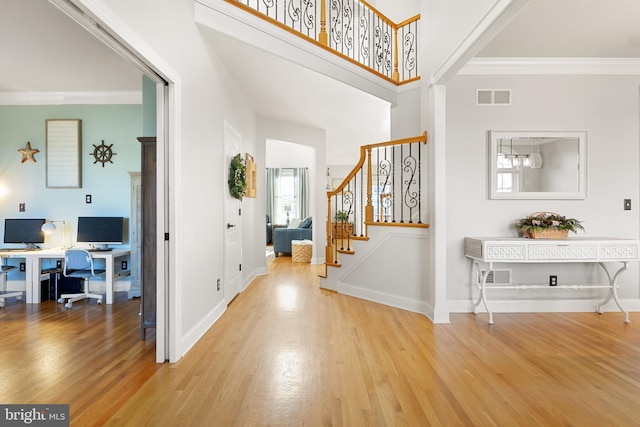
x: 232, y: 222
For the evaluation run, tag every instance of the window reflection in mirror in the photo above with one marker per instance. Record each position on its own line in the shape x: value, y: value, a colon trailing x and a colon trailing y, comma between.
x: 538, y: 164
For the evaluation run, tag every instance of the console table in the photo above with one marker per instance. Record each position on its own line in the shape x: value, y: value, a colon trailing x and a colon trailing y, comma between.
x: 486, y: 251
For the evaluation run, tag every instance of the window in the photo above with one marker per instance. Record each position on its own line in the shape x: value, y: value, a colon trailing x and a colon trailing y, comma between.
x: 286, y: 202
x: 287, y: 192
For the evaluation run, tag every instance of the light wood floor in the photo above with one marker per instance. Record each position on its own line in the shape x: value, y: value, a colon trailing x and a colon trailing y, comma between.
x: 289, y: 354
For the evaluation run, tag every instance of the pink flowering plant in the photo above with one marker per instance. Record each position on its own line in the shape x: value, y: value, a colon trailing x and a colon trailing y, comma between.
x: 539, y: 221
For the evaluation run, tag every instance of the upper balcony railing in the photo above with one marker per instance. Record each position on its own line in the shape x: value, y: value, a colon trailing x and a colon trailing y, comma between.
x: 352, y: 29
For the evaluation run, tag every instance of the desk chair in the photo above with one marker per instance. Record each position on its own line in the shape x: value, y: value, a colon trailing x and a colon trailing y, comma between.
x: 79, y: 263
x: 4, y: 269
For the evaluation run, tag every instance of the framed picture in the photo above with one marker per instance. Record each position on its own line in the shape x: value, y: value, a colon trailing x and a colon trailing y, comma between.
x: 64, y: 147
x: 251, y: 173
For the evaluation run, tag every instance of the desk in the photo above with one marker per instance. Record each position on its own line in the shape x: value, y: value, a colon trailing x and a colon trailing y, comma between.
x: 600, y: 250
x: 33, y: 268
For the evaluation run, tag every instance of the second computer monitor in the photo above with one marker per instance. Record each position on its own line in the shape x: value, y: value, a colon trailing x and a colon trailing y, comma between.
x: 101, y: 230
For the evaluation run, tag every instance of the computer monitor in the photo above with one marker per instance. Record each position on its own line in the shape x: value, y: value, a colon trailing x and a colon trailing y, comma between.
x: 23, y: 230
x: 100, y: 230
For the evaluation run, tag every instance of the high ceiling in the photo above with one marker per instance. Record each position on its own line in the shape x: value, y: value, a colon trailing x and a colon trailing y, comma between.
x: 571, y: 29
x: 45, y: 51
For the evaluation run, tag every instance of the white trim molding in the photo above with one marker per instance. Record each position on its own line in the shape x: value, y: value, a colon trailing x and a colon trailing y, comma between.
x: 557, y: 66
x: 70, y: 98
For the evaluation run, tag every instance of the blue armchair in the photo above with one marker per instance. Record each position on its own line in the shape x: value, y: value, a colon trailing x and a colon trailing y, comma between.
x: 282, y: 237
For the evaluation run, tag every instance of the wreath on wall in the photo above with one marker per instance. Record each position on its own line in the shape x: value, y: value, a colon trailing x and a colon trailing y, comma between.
x: 237, y: 178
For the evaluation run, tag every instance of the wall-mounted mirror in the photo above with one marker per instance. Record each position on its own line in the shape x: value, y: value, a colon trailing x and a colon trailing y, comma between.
x: 537, y: 164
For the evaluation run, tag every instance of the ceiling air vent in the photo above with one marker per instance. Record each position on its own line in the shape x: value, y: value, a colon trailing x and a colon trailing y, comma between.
x: 493, y: 97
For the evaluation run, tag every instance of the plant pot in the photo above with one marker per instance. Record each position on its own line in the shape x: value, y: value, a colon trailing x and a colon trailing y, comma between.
x: 550, y: 233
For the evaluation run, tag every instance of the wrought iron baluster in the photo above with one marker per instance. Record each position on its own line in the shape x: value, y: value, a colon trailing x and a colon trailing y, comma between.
x: 355, y: 204
x: 345, y: 223
x: 393, y: 182
x: 402, y: 184
x: 362, y: 201
x: 411, y: 195
x: 385, y: 171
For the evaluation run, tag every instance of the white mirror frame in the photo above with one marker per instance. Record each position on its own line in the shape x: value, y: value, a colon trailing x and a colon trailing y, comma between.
x: 496, y: 135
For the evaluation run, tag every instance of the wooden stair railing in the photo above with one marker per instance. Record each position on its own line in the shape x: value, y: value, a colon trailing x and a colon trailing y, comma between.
x: 384, y: 188
x: 351, y: 29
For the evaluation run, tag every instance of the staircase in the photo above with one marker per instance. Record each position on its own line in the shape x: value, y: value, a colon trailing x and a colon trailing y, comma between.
x: 376, y: 215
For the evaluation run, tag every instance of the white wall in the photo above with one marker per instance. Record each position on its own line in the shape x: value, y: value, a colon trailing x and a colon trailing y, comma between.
x: 282, y: 154
x: 607, y: 107
x: 406, y: 114
x: 446, y: 23
x: 397, y: 10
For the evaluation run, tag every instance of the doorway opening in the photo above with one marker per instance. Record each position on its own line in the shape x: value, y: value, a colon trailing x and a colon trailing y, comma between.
x: 104, y: 26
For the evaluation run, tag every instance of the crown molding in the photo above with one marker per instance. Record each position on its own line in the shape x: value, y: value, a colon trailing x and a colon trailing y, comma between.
x: 561, y: 66
x: 70, y: 98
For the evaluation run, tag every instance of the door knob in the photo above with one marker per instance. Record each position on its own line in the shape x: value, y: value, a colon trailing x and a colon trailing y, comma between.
x: 230, y: 225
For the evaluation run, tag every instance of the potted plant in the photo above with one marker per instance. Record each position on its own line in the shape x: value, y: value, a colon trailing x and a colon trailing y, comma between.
x: 342, y: 216
x: 548, y: 225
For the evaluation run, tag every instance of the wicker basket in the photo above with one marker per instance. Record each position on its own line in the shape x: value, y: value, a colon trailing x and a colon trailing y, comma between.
x: 545, y: 233
x: 301, y: 250
x: 550, y: 233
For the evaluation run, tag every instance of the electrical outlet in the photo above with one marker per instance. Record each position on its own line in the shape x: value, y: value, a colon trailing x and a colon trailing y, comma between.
x: 218, y: 284
x: 627, y: 204
x: 59, y: 263
x: 123, y: 265
x: 23, y: 266
x: 21, y: 207
x: 87, y: 198
x: 553, y: 280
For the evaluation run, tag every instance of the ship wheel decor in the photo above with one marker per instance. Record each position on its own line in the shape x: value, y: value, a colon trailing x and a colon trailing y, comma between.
x: 237, y: 178
x: 102, y: 153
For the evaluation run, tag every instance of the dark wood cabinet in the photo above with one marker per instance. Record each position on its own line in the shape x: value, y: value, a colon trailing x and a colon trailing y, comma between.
x: 149, y: 238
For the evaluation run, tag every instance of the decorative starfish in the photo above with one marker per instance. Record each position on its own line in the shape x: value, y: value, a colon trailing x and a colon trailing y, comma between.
x: 28, y: 153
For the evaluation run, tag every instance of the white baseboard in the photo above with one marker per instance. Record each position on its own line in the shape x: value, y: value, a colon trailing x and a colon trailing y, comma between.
x: 384, y: 298
x: 189, y: 339
x: 543, y: 306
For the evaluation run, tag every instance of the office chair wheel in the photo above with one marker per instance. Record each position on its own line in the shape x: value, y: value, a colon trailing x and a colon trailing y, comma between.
x: 99, y: 301
x: 60, y: 300
x: 68, y: 305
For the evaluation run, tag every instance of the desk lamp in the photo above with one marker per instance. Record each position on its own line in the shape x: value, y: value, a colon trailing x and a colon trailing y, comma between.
x: 49, y: 227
